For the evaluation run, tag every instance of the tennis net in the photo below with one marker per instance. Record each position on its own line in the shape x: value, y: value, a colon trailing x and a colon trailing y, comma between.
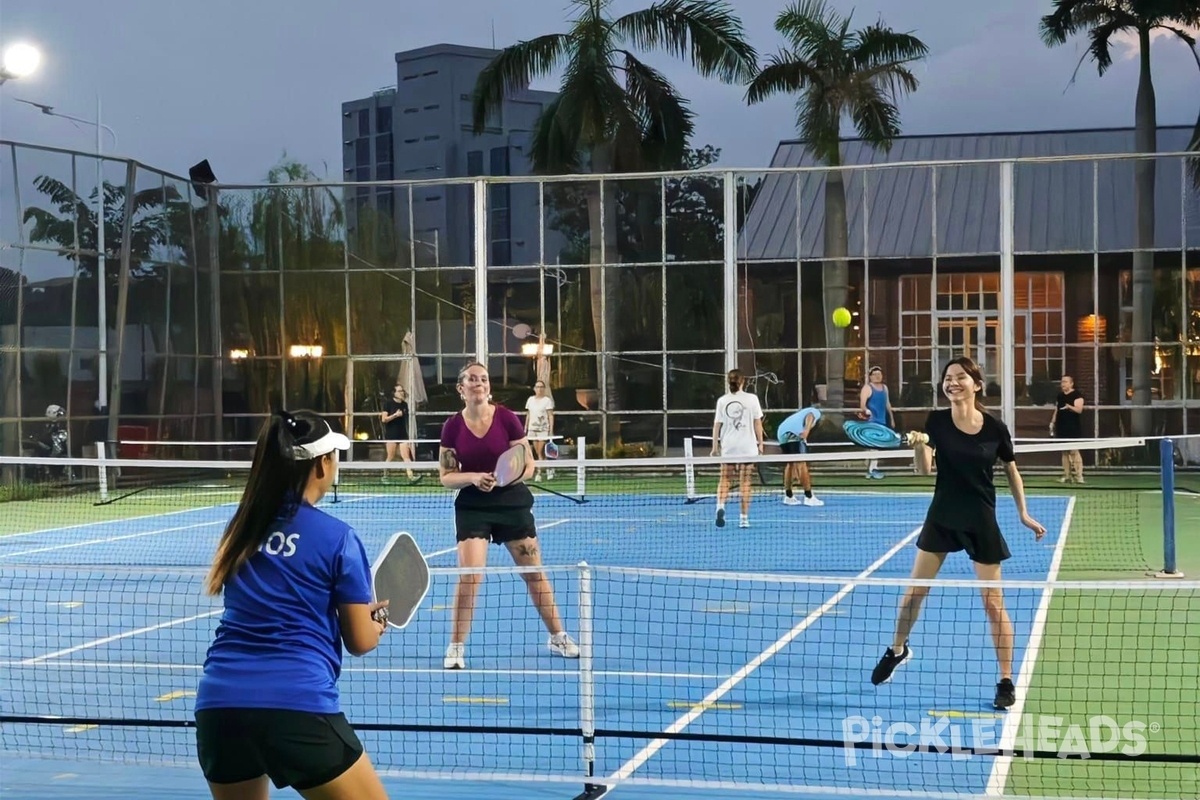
x: 723, y: 681
x: 636, y: 512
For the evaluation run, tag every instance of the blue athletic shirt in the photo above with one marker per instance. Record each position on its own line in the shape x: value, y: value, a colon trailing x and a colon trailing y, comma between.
x: 278, y: 644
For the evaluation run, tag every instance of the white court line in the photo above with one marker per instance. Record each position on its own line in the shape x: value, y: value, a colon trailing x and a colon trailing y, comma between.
x: 441, y: 552
x: 138, y: 665
x: 110, y: 539
x: 733, y: 680
x: 121, y: 521
x: 109, y: 639
x: 556, y: 523
x: 1012, y: 723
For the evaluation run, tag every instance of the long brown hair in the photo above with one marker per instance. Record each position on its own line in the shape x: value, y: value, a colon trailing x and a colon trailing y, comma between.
x: 736, y: 380
x: 976, y: 374
x: 273, y: 489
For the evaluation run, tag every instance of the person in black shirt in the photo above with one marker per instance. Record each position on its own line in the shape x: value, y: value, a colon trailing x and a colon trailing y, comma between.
x: 1067, y: 423
x: 396, y: 429
x: 962, y: 515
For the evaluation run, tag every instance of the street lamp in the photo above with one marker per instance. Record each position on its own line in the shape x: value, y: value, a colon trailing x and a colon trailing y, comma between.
x: 20, y: 60
x: 101, y: 271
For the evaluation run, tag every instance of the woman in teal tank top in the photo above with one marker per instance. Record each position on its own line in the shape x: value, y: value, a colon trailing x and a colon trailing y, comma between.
x: 875, y: 406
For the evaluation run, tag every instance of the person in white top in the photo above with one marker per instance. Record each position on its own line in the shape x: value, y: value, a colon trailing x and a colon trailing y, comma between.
x: 539, y: 424
x: 737, y: 431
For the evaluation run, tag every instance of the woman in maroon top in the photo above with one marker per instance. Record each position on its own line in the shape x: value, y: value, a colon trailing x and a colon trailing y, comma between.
x: 472, y: 442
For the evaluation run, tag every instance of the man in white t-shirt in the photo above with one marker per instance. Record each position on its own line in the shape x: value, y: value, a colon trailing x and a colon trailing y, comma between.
x: 539, y: 423
x: 737, y: 431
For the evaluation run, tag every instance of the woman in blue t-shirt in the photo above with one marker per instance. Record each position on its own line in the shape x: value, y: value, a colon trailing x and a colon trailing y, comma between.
x: 472, y: 442
x: 297, y: 586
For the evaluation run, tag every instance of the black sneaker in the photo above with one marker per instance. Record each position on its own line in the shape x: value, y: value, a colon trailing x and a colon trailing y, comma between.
x: 720, y: 518
x: 887, y: 665
x: 1006, y: 694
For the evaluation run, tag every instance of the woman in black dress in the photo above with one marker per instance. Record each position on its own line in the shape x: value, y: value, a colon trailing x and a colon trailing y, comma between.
x: 962, y: 516
x: 397, y: 429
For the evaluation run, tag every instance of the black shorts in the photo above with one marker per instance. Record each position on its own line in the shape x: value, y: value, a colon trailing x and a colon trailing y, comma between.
x: 796, y: 448
x: 498, y: 526
x: 987, y: 547
x: 293, y: 748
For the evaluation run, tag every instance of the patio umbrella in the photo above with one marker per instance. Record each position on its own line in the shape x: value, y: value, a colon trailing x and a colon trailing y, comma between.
x: 410, y: 376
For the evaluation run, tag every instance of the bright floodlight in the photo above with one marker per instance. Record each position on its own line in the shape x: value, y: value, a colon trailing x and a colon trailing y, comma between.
x: 21, y: 59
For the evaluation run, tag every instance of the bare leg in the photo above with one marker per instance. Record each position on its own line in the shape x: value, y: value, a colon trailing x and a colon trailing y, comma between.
x: 745, y: 487
x: 406, y: 453
x: 925, y: 567
x: 471, y: 553
x: 723, y: 484
x: 1066, y: 468
x: 360, y: 782
x: 525, y: 553
x: 1077, y: 463
x: 254, y: 789
x: 1001, y: 625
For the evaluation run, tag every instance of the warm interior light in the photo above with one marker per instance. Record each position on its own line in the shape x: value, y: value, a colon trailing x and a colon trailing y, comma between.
x: 306, y: 351
x: 535, y: 349
x: 237, y: 354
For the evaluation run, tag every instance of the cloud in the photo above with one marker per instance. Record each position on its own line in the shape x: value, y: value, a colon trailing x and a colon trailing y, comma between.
x: 1126, y: 42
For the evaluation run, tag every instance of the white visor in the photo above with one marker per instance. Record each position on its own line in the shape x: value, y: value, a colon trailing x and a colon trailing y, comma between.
x: 323, y: 446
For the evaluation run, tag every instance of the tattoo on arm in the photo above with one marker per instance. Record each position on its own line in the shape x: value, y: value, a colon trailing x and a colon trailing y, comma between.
x: 449, y: 461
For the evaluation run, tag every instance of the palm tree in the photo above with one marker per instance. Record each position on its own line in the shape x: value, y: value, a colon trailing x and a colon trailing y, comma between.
x: 838, y: 73
x: 1102, y: 20
x: 614, y: 112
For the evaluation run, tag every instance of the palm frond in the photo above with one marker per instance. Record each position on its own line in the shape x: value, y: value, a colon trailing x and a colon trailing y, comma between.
x: 818, y: 118
x: 875, y: 118
x: 704, y: 31
x: 513, y: 70
x: 1100, y: 41
x: 665, y: 123
x: 785, y: 73
x: 808, y: 20
x: 879, y: 46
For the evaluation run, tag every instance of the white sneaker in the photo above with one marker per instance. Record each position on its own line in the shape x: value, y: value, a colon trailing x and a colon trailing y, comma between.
x: 561, y: 644
x: 537, y: 476
x: 744, y: 521
x: 791, y: 501
x: 813, y: 501
x: 549, y: 474
x: 454, y: 656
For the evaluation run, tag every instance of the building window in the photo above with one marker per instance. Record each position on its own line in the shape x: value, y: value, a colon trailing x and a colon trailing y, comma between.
x: 384, y: 172
x: 383, y: 120
x: 383, y: 147
x: 474, y: 163
x: 499, y: 158
x: 965, y: 320
x: 360, y: 174
x: 364, y: 122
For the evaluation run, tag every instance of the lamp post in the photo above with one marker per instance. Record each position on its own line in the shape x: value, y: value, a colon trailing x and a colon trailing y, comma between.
x: 101, y: 271
x: 20, y: 60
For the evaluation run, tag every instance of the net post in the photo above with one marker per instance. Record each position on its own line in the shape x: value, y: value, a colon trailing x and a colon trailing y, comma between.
x: 689, y: 469
x: 580, y: 469
x: 102, y: 470
x: 587, y: 688
x: 1166, y: 457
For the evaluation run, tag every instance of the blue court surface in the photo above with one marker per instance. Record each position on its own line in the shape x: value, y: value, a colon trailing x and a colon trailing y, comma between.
x: 108, y: 620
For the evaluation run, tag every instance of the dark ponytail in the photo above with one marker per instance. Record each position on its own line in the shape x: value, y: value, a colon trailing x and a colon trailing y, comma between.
x: 273, y: 489
x: 736, y: 380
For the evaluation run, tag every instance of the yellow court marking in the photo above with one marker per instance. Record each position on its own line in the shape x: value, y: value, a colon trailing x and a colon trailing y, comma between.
x: 68, y: 604
x: 968, y: 714
x: 64, y: 776
x: 7, y: 619
x: 442, y: 608
x: 727, y: 608
x: 177, y: 695
x: 704, y: 706
x: 492, y: 701
x: 80, y: 728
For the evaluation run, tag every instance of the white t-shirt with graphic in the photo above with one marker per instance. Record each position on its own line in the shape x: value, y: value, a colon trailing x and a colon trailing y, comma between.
x: 539, y: 409
x: 737, y: 411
